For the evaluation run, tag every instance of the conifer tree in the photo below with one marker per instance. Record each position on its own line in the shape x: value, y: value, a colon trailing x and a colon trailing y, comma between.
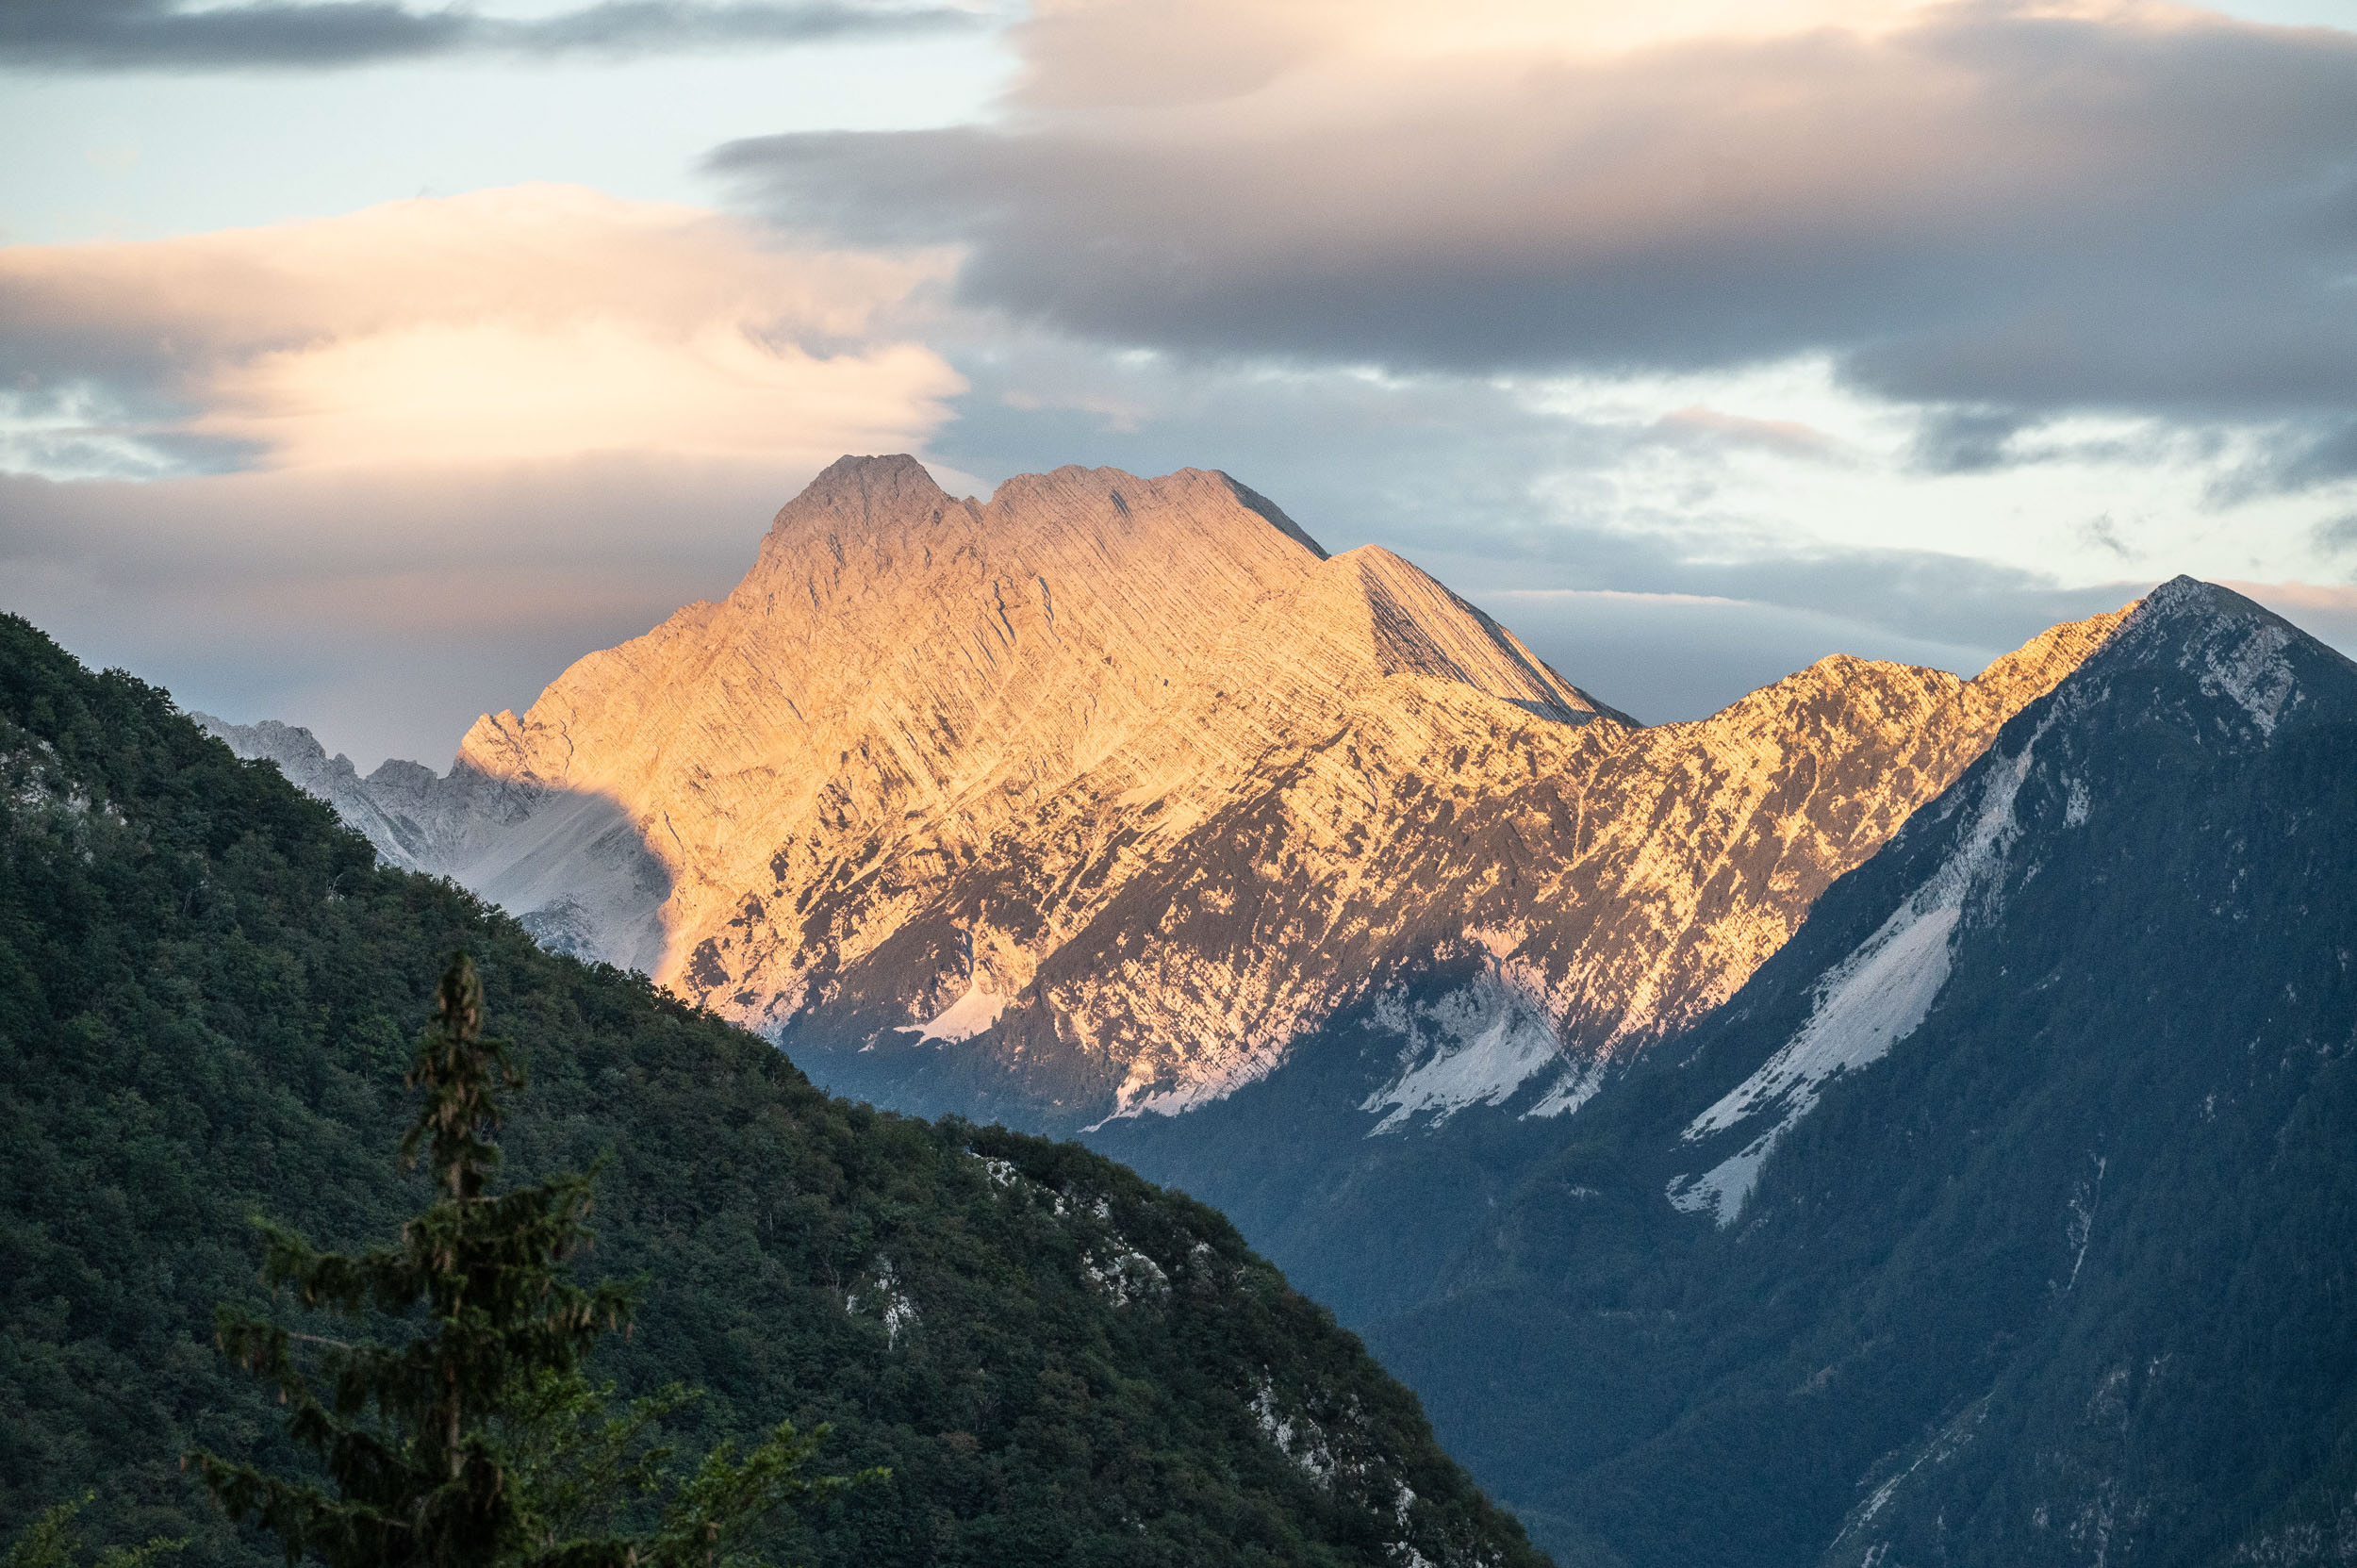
x: 477, y: 1441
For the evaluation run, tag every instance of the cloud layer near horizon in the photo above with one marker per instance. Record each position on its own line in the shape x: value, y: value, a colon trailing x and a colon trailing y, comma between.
x: 519, y: 324
x: 170, y: 35
x: 2009, y: 207
x: 379, y: 472
x: 386, y: 608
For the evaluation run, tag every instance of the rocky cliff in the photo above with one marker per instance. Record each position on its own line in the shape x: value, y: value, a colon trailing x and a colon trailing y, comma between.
x: 1091, y: 800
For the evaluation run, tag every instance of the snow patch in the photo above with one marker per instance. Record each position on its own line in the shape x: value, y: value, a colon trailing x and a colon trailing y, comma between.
x: 1720, y: 1190
x: 1575, y: 1088
x: 1872, y: 1000
x: 1945, y: 1445
x: 1493, y: 1037
x: 2085, y: 1197
x: 970, y: 1015
x: 1864, y: 1005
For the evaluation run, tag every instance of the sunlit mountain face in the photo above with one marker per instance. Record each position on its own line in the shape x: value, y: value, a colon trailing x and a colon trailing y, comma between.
x: 1655, y: 687
x: 1092, y: 803
x: 1602, y: 1074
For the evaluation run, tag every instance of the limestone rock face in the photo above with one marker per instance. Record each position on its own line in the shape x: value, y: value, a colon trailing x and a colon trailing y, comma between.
x: 1092, y: 800
x: 570, y: 866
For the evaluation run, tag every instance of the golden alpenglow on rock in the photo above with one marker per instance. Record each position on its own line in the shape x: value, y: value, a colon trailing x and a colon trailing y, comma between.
x: 1092, y: 800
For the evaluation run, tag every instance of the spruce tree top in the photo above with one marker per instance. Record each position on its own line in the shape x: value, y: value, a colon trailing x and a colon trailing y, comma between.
x: 407, y: 1431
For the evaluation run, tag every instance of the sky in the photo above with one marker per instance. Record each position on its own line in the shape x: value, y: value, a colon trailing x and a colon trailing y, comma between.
x: 363, y: 363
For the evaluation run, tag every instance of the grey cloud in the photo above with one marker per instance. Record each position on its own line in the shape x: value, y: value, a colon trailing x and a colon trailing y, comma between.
x: 150, y: 35
x: 1994, y: 211
x: 2338, y: 537
x: 1665, y: 659
x: 1968, y: 441
x: 2319, y: 454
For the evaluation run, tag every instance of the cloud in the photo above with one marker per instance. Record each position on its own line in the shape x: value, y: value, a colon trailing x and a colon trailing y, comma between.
x: 168, y: 35
x: 1700, y: 423
x: 385, y: 606
x: 528, y: 324
x: 385, y: 471
x: 2007, y: 208
x: 1672, y: 656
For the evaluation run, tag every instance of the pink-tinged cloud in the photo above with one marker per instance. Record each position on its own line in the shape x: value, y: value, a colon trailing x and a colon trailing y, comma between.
x: 386, y: 606
x: 1082, y: 54
x: 2327, y: 610
x: 528, y: 324
x: 1701, y: 424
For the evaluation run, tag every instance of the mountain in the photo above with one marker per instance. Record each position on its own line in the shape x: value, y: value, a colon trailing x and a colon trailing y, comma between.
x: 2007, y: 1214
x: 1096, y: 801
x: 207, y: 993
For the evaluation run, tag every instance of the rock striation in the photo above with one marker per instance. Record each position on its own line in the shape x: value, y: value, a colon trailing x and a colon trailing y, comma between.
x: 1094, y: 800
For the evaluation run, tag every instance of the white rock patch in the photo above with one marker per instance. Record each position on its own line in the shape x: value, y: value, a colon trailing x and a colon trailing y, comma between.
x: 1493, y: 1037
x: 970, y: 1015
x: 887, y: 1300
x: 1864, y: 1005
x: 2253, y: 674
x: 1126, y: 1275
x: 1298, y: 1438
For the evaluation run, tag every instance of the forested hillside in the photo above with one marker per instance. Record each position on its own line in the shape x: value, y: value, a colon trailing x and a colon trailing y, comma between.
x: 207, y: 995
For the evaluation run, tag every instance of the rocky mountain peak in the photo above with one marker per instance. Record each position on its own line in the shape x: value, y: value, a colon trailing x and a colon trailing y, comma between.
x: 902, y: 674
x: 2251, y: 669
x: 1120, y: 786
x: 1411, y: 625
x: 895, y: 487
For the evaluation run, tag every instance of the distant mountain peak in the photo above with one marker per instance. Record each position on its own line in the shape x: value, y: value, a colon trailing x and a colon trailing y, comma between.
x: 2245, y: 658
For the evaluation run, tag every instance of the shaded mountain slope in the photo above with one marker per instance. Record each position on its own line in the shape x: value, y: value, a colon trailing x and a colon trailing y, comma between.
x: 2008, y: 1215
x: 1098, y: 799
x: 206, y: 993
x: 1640, y: 893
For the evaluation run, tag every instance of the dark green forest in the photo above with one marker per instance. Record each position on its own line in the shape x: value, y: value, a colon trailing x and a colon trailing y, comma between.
x: 209, y: 993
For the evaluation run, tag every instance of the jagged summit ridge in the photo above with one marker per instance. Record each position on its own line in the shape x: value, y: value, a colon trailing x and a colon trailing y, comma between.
x: 904, y: 673
x: 1099, y: 795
